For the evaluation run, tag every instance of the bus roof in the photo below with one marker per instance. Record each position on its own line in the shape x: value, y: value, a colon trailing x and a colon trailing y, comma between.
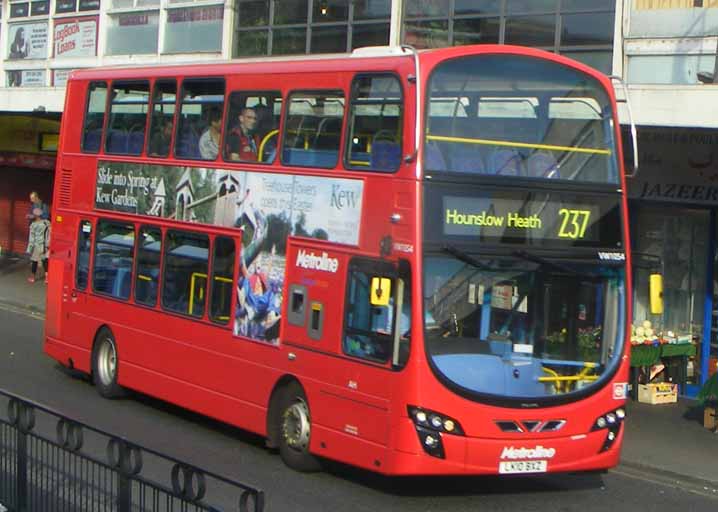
x: 379, y: 58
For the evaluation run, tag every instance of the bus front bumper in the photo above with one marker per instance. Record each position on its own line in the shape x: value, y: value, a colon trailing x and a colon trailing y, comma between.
x: 521, y: 454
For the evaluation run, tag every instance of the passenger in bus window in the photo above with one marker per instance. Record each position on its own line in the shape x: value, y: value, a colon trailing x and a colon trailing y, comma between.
x: 209, y: 141
x: 242, y: 142
x: 160, y: 141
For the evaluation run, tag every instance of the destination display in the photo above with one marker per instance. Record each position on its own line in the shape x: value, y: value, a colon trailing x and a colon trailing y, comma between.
x: 537, y: 218
x: 496, y: 217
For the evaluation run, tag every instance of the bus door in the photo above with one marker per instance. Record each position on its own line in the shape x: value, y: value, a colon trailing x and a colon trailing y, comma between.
x: 75, y: 286
x: 351, y: 390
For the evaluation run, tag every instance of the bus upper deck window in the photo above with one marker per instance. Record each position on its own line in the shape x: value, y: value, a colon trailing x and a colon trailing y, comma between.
x: 252, y: 127
x: 164, y: 97
x: 375, y: 123
x: 313, y: 129
x: 128, y: 118
x: 94, y: 117
x: 199, y: 126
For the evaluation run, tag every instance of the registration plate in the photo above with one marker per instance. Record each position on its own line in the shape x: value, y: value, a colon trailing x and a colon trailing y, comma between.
x: 523, y: 466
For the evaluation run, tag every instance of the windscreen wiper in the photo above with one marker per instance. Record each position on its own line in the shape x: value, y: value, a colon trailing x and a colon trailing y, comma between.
x: 535, y: 258
x: 465, y: 257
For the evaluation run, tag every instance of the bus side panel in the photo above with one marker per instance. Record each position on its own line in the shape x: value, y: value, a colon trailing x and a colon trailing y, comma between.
x: 189, y: 363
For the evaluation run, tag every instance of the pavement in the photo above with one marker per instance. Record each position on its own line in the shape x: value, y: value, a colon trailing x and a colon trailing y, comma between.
x: 666, y: 442
x: 15, y: 291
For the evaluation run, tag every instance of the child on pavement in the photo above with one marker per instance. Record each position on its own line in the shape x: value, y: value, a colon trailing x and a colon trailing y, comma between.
x: 38, y: 243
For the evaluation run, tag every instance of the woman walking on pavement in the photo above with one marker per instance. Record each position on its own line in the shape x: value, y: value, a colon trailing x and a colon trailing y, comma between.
x: 38, y: 243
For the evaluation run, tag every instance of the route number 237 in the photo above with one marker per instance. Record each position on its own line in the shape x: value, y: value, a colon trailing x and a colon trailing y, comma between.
x: 573, y: 223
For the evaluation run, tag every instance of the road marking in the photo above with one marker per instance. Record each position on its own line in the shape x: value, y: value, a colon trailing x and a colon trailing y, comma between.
x: 22, y: 311
x: 680, y: 482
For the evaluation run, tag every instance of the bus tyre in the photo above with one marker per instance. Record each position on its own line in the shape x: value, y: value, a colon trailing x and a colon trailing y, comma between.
x: 295, y: 429
x: 105, y: 364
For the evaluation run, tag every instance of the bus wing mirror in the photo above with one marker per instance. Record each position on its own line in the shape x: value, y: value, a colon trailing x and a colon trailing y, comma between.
x: 380, y: 291
x: 656, y: 293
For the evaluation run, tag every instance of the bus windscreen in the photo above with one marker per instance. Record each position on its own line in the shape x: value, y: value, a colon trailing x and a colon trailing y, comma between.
x: 518, y: 116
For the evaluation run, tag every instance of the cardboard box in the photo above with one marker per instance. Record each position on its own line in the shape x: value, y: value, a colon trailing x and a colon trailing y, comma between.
x: 659, y: 393
x: 709, y: 417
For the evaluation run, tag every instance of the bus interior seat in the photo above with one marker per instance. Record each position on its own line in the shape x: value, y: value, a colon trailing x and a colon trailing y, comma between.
x: 328, y: 133
x: 433, y: 159
x: 467, y: 159
x: 188, y: 140
x: 265, y: 120
x: 385, y: 155
x: 116, y: 141
x: 542, y: 164
x: 92, y: 140
x: 505, y: 162
x: 310, y: 157
x: 136, y: 140
x: 303, y: 129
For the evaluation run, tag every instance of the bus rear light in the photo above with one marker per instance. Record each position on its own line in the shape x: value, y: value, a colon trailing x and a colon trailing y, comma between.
x: 434, y: 421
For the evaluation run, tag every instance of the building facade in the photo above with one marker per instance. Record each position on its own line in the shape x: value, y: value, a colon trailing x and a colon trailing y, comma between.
x: 41, y: 41
x: 668, y: 50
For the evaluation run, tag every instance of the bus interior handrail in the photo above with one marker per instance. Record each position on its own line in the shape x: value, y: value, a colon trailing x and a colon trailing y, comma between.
x: 490, y: 142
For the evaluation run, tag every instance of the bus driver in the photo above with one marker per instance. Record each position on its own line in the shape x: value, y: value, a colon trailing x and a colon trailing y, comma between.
x: 242, y: 143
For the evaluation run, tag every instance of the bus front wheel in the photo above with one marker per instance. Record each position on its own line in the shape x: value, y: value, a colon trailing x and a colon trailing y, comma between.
x: 295, y: 429
x: 105, y: 364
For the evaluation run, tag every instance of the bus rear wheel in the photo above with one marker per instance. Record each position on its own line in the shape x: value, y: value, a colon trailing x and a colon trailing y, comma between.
x: 295, y: 429
x: 105, y: 365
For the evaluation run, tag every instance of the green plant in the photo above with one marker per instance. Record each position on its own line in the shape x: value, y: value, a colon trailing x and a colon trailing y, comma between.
x: 708, y: 395
x: 588, y: 344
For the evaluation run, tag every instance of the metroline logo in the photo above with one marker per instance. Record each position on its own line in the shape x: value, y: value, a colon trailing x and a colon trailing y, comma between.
x: 528, y: 453
x: 311, y: 261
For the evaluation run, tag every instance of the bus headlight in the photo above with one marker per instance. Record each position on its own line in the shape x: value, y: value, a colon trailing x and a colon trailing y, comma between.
x: 612, y: 422
x: 430, y: 427
x: 610, y: 419
x: 434, y: 420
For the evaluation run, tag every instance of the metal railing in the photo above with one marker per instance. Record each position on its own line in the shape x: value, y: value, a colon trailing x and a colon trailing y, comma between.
x: 49, y: 462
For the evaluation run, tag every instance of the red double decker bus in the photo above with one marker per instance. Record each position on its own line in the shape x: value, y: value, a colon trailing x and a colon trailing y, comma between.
x: 412, y: 262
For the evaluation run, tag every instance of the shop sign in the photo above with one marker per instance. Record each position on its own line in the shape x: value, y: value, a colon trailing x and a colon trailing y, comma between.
x: 27, y: 160
x: 676, y: 165
x: 76, y: 38
x: 134, y: 19
x: 194, y: 14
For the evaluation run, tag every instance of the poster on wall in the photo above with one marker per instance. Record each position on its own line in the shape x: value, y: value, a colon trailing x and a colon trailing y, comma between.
x: 26, y: 78
x: 60, y: 77
x: 27, y: 41
x: 76, y: 38
x: 267, y: 207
